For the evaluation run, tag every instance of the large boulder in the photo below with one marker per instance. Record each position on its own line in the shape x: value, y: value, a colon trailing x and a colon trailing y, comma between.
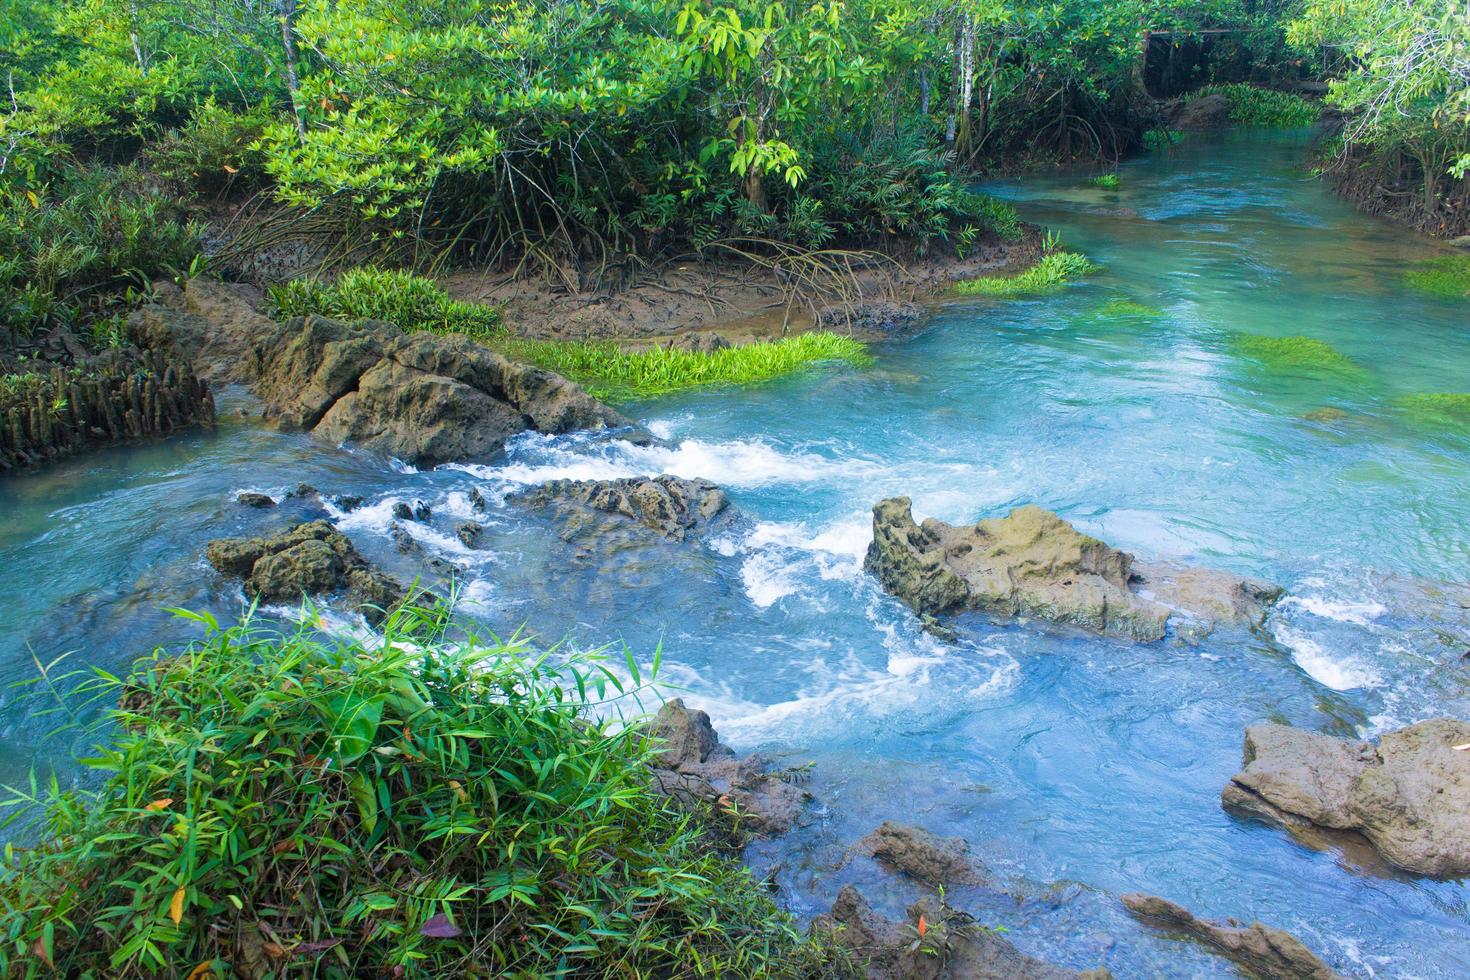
x: 920, y: 854
x: 308, y: 560
x: 1259, y: 950
x: 1409, y: 795
x: 1203, y: 113
x: 669, y: 505
x: 936, y: 942
x: 694, y: 769
x: 1033, y: 563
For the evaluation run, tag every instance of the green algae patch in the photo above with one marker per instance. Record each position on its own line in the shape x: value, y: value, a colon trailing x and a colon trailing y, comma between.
x: 1297, y: 355
x: 1052, y: 272
x: 1440, y: 408
x: 1127, y: 309
x: 1448, y: 277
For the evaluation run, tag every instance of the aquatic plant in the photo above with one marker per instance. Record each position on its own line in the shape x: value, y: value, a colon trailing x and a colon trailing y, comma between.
x: 367, y: 293
x: 1448, y: 276
x: 1161, y: 138
x: 1252, y: 106
x: 1053, y: 271
x: 1121, y: 308
x: 276, y: 804
x: 1438, y: 408
x: 1107, y: 182
x: 609, y: 372
x: 1295, y: 354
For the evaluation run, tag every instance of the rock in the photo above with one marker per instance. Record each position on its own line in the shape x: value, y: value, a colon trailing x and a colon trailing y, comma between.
x: 953, y: 946
x: 920, y: 854
x: 417, y: 511
x: 1409, y: 795
x: 261, y: 500
x: 1203, y: 113
x: 348, y: 502
x: 1260, y: 950
x: 877, y: 318
x: 309, y: 559
x: 401, y: 511
x: 1033, y: 563
x: 478, y: 501
x: 1462, y: 241
x: 700, y: 342
x: 469, y: 532
x: 694, y: 769
x: 406, y: 543
x: 670, y: 505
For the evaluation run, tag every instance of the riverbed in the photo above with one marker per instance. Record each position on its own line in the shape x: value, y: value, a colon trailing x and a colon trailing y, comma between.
x: 1133, y: 403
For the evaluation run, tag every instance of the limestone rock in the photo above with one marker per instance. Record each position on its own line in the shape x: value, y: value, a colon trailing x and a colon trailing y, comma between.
x: 670, y: 505
x: 921, y: 855
x: 1260, y: 950
x: 1409, y: 795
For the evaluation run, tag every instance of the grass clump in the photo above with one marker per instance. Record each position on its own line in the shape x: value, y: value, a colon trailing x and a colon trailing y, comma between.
x: 1054, y: 270
x: 1295, y: 354
x: 1108, y: 182
x: 282, y: 804
x: 609, y: 372
x: 1438, y: 408
x: 1251, y: 106
x: 367, y: 293
x: 1447, y: 277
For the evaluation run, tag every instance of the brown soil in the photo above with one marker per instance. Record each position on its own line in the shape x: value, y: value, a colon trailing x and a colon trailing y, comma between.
x: 739, y: 300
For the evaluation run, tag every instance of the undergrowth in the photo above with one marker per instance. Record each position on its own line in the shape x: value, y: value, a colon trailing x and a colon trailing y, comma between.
x: 1252, y: 106
x: 285, y: 804
x: 1054, y: 270
x: 411, y: 302
x: 609, y: 372
x: 1447, y: 277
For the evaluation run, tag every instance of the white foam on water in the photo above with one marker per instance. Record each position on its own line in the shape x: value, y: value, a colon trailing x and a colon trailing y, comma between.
x: 768, y: 578
x: 1339, y: 673
x: 1359, y: 613
x: 369, y: 517
x: 781, y: 555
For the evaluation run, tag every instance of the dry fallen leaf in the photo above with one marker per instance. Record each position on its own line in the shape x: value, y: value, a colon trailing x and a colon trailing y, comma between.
x: 176, y: 907
x: 923, y: 927
x: 160, y: 804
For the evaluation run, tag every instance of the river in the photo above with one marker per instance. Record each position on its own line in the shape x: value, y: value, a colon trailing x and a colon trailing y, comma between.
x: 1078, y: 768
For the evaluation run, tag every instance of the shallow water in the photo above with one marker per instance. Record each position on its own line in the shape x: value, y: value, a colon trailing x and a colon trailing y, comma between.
x: 1078, y: 768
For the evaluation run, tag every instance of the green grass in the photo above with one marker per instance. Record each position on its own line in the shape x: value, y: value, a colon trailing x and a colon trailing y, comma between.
x: 608, y: 372
x: 285, y: 804
x: 1295, y: 355
x: 1438, y: 408
x: 1251, y: 106
x: 1448, y: 277
x: 1053, y: 271
x: 1117, y: 309
x: 412, y: 302
x: 1108, y: 182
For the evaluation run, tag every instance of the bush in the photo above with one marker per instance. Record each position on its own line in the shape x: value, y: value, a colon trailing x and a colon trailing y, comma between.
x: 71, y: 251
x: 608, y: 372
x: 1053, y: 271
x: 1447, y: 277
x: 1251, y: 106
x: 286, y: 804
x: 215, y: 152
x: 412, y: 302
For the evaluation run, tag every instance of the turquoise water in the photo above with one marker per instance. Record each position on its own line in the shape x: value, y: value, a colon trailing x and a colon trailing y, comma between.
x: 1078, y: 768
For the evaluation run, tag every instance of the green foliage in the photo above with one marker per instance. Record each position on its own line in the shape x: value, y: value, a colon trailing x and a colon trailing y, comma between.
x: 1448, y: 277
x: 1295, y: 354
x: 608, y: 372
x: 74, y: 249
x: 1052, y: 272
x: 1161, y: 138
x: 1253, y: 106
x: 448, y: 807
x: 1108, y: 182
x: 412, y: 302
x: 217, y: 151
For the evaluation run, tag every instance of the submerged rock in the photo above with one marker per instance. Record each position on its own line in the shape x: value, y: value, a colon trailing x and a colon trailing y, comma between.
x: 694, y: 768
x: 1033, y: 563
x: 953, y: 945
x: 921, y: 855
x: 307, y: 560
x: 1409, y: 795
x: 1260, y: 950
x: 672, y: 506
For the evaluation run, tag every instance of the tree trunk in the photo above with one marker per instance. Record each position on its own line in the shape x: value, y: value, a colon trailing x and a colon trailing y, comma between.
x: 287, y: 14
x: 755, y: 189
x: 967, y: 86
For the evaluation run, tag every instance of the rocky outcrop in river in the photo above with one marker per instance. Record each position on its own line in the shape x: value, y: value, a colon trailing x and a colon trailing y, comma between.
x: 423, y: 398
x: 1032, y: 563
x: 308, y: 560
x: 669, y: 505
x: 926, y: 857
x: 936, y: 942
x: 1409, y: 795
x: 695, y: 769
x: 1259, y: 950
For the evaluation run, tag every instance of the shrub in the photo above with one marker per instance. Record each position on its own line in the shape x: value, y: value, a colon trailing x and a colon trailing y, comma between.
x: 1251, y: 106
x: 1448, y: 277
x: 608, y: 372
x: 287, y: 804
x: 215, y: 152
x: 1296, y: 354
x: 1054, y: 270
x: 412, y: 302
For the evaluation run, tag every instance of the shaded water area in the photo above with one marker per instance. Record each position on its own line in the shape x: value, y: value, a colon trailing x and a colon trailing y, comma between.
x: 1131, y: 403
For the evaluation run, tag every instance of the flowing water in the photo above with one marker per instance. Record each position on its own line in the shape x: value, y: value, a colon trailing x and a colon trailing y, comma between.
x: 1078, y: 768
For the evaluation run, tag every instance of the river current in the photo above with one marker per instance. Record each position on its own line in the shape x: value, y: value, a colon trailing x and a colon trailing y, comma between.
x: 1078, y: 768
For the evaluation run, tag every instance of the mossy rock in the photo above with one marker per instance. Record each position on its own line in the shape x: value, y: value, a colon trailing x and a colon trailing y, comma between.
x: 1447, y: 277
x: 1296, y: 355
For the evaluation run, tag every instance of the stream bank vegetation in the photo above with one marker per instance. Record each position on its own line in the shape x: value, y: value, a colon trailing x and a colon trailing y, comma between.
x: 1054, y: 270
x: 435, y: 805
